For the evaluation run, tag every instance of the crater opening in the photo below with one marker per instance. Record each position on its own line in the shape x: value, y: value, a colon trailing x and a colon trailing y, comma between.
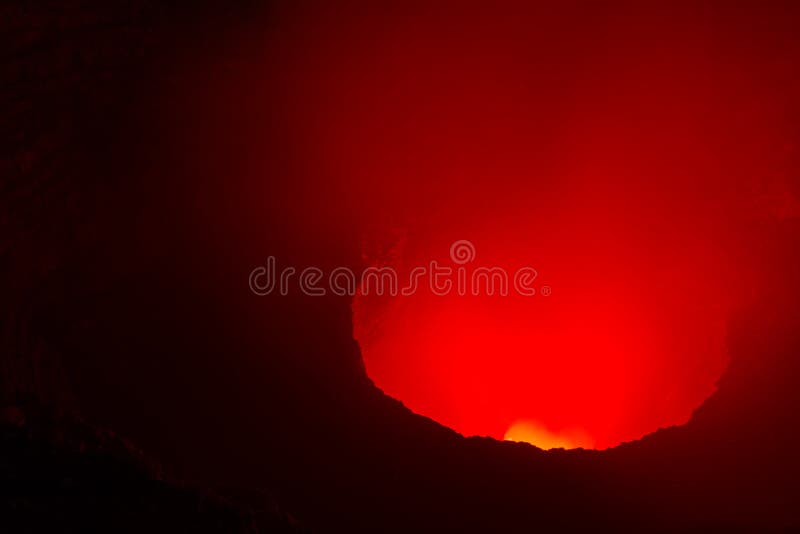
x: 611, y: 344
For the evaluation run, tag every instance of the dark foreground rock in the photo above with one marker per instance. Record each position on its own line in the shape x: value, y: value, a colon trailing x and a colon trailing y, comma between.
x: 58, y: 474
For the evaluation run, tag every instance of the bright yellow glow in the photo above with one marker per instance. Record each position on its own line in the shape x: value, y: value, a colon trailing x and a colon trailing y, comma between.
x: 536, y: 434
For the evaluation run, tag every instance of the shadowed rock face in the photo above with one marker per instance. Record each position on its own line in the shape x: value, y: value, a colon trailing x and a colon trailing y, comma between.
x: 62, y: 474
x: 122, y: 269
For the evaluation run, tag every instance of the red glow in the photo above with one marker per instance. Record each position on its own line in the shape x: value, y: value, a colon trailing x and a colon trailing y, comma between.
x: 600, y: 149
x: 626, y: 343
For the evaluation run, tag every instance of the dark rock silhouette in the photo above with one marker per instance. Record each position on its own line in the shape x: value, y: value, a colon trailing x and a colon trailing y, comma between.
x: 60, y: 474
x: 117, y: 307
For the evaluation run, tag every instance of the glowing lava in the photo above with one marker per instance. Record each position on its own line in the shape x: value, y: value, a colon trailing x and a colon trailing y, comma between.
x: 532, y: 432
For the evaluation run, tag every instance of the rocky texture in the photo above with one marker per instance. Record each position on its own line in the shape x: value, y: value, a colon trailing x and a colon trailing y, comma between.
x: 115, y: 306
x: 61, y: 474
x: 67, y: 69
